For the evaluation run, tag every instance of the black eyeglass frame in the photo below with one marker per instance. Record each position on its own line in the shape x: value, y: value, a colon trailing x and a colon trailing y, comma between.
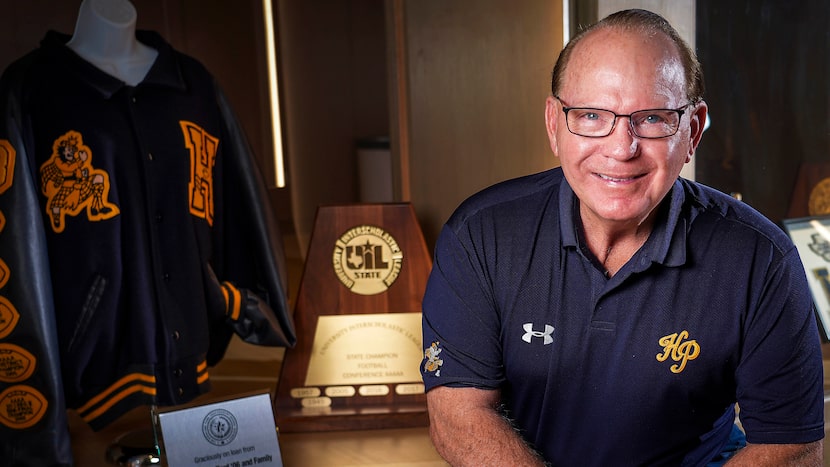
x: 680, y: 111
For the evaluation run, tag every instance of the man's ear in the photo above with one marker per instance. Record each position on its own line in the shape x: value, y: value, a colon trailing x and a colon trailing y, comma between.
x: 552, y: 115
x: 697, y: 120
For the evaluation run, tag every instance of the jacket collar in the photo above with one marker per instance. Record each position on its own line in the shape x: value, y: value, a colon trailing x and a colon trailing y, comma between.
x: 165, y: 71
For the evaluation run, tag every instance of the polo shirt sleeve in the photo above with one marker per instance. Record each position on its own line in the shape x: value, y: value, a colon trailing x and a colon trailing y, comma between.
x: 780, y: 379
x: 460, y: 319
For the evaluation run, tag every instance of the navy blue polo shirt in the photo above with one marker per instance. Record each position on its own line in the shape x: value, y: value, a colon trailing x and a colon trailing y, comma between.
x: 641, y: 368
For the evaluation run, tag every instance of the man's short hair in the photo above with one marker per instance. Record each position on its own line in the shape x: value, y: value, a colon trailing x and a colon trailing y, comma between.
x: 644, y: 22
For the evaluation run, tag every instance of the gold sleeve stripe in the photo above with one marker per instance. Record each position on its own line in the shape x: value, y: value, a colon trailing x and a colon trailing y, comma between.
x: 203, y: 377
x: 114, y: 387
x: 235, y: 304
x: 123, y: 394
x: 227, y: 298
x: 202, y: 374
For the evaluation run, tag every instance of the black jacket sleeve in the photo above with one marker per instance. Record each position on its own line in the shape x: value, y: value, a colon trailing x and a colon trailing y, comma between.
x: 252, y: 276
x: 33, y: 424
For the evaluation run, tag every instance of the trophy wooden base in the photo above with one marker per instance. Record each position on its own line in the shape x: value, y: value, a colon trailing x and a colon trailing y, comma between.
x: 399, y: 416
x: 357, y: 316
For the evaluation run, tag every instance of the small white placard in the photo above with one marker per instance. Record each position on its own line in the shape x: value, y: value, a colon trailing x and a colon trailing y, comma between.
x: 233, y: 433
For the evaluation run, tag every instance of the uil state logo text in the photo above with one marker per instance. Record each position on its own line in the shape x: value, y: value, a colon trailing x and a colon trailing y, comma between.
x: 367, y: 260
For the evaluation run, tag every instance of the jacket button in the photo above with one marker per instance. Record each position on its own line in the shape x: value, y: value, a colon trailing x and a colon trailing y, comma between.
x: 176, y: 335
x: 178, y: 372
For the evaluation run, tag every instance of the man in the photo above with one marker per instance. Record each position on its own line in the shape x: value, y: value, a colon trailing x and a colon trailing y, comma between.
x: 608, y: 312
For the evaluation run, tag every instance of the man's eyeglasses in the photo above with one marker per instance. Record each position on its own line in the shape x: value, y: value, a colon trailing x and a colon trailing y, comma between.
x: 597, y: 123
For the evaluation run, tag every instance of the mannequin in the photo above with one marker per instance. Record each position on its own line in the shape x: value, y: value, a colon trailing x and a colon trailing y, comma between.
x: 105, y: 36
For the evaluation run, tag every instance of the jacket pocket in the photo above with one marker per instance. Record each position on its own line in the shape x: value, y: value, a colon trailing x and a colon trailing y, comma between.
x: 93, y: 299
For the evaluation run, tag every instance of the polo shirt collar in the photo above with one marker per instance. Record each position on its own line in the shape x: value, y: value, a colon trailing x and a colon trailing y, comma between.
x: 164, y: 72
x: 667, y: 243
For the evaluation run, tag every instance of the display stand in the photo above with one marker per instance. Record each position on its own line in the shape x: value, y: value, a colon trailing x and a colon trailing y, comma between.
x: 357, y: 316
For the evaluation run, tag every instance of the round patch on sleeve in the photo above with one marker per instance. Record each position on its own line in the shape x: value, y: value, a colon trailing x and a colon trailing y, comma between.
x: 16, y: 363
x: 21, y: 407
x: 8, y: 317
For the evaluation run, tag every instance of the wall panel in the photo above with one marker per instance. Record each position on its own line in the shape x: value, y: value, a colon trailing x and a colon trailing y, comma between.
x: 478, y: 75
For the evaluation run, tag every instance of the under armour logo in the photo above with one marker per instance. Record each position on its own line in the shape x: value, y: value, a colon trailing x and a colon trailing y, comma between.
x: 530, y: 333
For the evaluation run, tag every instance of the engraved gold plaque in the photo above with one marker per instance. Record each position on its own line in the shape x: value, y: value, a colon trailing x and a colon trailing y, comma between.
x: 374, y: 390
x: 340, y: 391
x: 819, y: 203
x: 366, y: 349
x: 409, y: 389
x: 299, y: 393
x: 367, y: 259
x: 316, y: 402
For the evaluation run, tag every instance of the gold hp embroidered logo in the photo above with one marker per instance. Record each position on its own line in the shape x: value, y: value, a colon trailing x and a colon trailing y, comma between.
x: 367, y: 260
x: 680, y: 350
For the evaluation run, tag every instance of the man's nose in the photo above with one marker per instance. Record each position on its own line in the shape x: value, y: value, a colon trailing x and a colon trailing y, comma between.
x: 622, y: 142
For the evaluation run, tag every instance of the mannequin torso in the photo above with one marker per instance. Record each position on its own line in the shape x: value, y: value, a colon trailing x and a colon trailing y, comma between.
x: 105, y: 36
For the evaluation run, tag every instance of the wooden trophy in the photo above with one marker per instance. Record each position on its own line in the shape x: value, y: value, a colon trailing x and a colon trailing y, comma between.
x: 358, y: 321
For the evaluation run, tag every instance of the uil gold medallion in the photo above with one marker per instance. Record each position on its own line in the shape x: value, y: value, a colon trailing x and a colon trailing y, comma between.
x: 367, y: 260
x: 819, y: 203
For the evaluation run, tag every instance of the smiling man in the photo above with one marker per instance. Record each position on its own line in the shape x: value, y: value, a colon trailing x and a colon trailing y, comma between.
x: 609, y: 312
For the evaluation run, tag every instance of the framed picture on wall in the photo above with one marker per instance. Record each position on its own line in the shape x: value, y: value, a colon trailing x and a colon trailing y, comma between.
x: 811, y: 236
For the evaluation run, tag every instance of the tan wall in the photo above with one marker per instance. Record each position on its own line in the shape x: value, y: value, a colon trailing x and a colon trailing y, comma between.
x: 478, y: 73
x: 333, y: 83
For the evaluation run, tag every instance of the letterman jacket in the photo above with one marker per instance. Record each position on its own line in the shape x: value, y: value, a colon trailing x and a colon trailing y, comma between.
x: 135, y: 238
